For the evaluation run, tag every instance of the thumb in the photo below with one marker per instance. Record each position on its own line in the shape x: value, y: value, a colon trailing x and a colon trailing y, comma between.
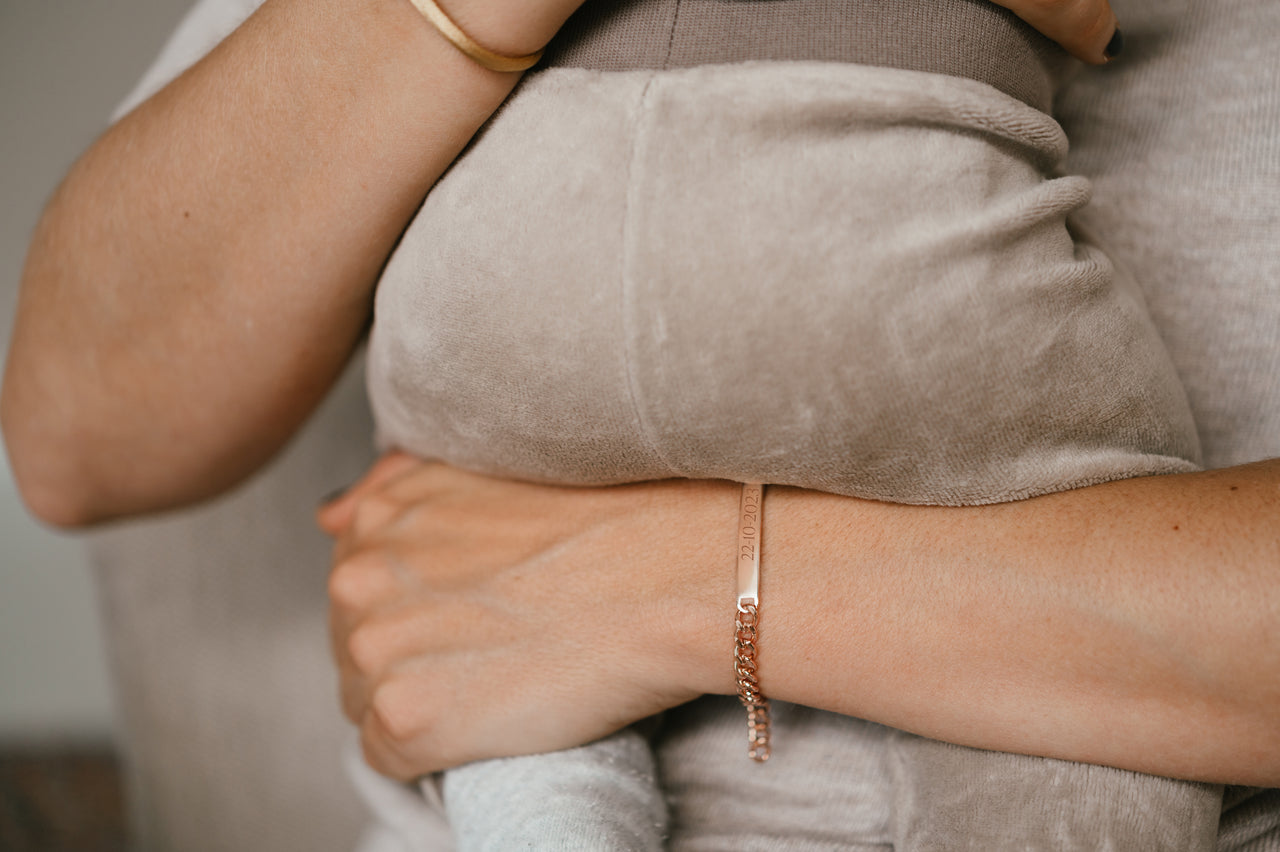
x: 1086, y: 28
x: 335, y: 514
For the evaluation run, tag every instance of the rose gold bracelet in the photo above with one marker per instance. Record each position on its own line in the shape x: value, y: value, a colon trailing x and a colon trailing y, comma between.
x: 462, y: 41
x: 750, y: 519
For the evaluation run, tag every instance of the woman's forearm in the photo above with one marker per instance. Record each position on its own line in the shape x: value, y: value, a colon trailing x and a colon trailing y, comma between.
x: 202, y: 275
x: 1131, y: 624
x: 1134, y: 624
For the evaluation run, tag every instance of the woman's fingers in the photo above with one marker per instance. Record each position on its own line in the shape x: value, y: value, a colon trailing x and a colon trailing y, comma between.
x: 337, y: 513
x: 1086, y: 28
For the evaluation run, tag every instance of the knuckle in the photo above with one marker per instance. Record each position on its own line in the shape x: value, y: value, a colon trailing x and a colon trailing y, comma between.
x: 376, y: 755
x: 344, y: 584
x: 394, y: 711
x: 375, y: 511
x: 359, y: 579
x: 366, y: 649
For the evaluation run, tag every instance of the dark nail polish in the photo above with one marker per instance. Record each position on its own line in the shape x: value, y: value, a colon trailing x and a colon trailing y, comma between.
x: 334, y: 495
x: 1114, y: 46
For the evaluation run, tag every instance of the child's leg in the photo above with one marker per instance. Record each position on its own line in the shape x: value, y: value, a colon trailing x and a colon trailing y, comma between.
x: 602, y: 796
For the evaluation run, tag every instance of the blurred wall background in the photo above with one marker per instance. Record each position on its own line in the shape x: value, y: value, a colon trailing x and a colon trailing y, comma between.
x: 64, y: 64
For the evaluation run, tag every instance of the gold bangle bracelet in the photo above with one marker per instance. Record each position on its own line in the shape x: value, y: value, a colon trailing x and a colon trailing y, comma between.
x: 481, y: 55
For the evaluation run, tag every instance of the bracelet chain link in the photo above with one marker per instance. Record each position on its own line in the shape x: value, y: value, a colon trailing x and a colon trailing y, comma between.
x: 744, y: 667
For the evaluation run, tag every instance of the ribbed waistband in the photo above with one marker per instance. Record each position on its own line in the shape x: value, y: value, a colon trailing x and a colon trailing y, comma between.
x: 975, y: 39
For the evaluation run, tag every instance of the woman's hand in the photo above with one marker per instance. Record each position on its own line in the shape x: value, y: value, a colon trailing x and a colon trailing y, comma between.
x: 474, y: 617
x: 1086, y: 28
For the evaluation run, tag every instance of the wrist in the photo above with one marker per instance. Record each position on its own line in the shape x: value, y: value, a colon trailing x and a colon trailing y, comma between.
x: 691, y: 531
x: 817, y: 550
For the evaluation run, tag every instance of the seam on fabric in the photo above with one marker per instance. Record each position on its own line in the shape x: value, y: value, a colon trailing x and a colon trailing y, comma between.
x: 625, y: 289
x: 671, y: 39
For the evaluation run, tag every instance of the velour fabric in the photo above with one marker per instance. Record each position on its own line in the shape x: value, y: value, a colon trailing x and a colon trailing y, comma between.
x: 846, y: 278
x: 215, y: 616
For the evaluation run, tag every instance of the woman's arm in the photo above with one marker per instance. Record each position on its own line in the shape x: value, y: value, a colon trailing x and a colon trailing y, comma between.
x: 203, y: 273
x: 1133, y: 624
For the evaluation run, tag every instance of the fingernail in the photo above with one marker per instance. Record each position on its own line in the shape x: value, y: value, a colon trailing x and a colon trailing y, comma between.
x: 334, y: 495
x: 1114, y: 46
